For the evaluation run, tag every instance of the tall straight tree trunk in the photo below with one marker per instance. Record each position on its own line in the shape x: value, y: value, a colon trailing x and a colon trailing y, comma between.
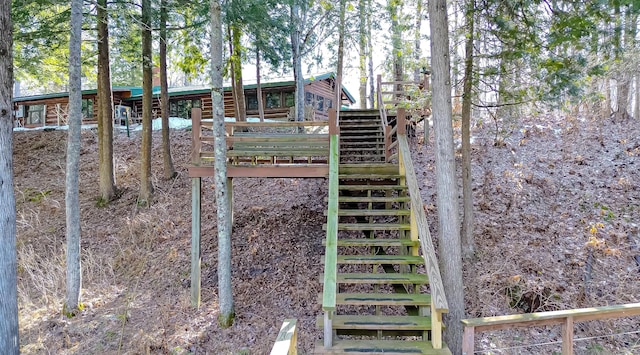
x: 259, y: 87
x: 467, y: 192
x: 636, y: 111
x: 341, y: 34
x: 225, y: 296
x: 297, y: 60
x: 9, y: 342
x: 362, y: 56
x: 236, y: 67
x: 146, y: 189
x: 169, y: 169
x: 446, y: 184
x: 105, y: 108
x: 72, y: 203
x: 416, y: 38
x: 372, y: 90
x: 395, y: 11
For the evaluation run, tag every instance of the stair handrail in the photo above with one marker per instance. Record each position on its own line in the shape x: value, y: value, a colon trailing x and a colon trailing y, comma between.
x: 389, y: 131
x: 287, y: 340
x: 331, y: 250
x: 439, y: 303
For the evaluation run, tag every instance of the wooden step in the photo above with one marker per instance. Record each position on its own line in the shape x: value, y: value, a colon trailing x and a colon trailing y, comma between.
x: 361, y: 149
x: 371, y: 226
x: 368, y: 176
x: 362, y: 187
x: 380, y: 347
x: 374, y: 199
x: 367, y: 322
x: 380, y: 278
x: 378, y: 259
x: 368, y: 242
x: 373, y: 213
x: 360, y: 138
x: 381, y: 299
x: 375, y: 168
x: 359, y: 143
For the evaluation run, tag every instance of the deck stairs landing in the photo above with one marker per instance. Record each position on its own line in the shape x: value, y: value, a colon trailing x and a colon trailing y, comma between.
x: 381, y: 304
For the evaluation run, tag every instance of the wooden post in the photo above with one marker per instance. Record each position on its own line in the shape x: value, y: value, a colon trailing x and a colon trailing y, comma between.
x: 379, y: 86
x: 44, y: 115
x: 387, y: 143
x: 333, y: 122
x: 58, y: 113
x: 567, y: 336
x: 230, y: 203
x: 436, y: 328
x: 468, y: 340
x: 196, y: 144
x: 196, y: 204
x: 328, y: 330
x: 402, y: 122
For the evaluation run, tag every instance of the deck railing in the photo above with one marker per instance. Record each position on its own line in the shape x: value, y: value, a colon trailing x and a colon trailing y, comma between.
x: 287, y: 340
x: 331, y: 249
x: 565, y: 319
x: 419, y: 224
x: 255, y: 143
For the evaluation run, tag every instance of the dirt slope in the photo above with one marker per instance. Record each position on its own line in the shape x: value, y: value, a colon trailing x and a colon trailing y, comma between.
x: 539, y: 197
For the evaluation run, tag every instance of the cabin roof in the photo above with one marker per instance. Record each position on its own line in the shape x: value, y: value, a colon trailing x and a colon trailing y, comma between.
x: 136, y: 91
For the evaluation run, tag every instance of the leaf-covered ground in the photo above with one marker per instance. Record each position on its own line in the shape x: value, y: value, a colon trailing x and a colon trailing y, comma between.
x: 557, y: 204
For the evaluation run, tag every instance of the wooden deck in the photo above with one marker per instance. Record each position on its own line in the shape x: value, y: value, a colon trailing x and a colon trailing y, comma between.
x: 263, y: 149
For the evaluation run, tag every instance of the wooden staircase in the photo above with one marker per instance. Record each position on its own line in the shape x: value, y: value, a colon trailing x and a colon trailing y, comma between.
x: 361, y: 136
x: 380, y: 302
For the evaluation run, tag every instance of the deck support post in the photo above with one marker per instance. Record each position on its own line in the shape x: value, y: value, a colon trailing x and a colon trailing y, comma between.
x: 567, y: 336
x: 328, y: 330
x: 436, y: 328
x: 196, y: 204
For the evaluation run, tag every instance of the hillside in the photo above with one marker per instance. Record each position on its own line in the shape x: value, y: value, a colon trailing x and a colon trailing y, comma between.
x: 539, y: 196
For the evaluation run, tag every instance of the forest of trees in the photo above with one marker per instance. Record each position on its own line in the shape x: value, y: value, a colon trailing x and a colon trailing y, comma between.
x: 506, y: 59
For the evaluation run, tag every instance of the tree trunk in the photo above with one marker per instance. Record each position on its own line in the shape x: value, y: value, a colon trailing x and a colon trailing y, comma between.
x: 297, y: 60
x: 467, y: 192
x: 372, y: 90
x: 169, y: 169
x: 362, y: 41
x: 105, y: 108
x: 341, y: 35
x: 259, y: 87
x: 416, y: 38
x: 446, y: 186
x: 395, y: 11
x: 225, y: 296
x: 636, y: 112
x: 9, y: 342
x: 72, y: 204
x: 146, y: 189
x: 236, y: 66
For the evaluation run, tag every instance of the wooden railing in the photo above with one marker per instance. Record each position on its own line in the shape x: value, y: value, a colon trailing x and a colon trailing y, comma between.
x: 391, y: 101
x: 565, y: 319
x: 255, y: 143
x: 286, y: 342
x: 331, y: 250
x: 419, y: 224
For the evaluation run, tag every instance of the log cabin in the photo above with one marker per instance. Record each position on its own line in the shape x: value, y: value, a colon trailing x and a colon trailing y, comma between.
x: 277, y: 98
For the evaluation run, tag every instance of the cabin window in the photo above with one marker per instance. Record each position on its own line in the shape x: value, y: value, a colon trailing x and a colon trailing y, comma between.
x: 182, y: 108
x: 289, y: 99
x: 252, y: 102
x: 309, y: 98
x: 319, y: 103
x: 273, y: 99
x: 34, y: 114
x: 87, y: 108
x: 328, y: 103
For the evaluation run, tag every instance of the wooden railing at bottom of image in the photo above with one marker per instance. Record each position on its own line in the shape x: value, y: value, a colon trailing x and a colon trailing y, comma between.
x: 565, y: 318
x: 286, y: 342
